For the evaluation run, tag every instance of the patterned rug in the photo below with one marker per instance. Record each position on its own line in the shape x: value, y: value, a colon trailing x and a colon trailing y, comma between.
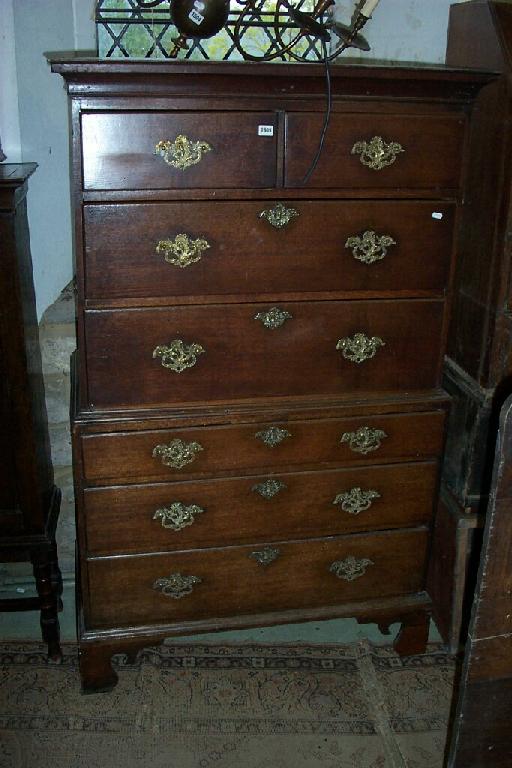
x: 208, y: 706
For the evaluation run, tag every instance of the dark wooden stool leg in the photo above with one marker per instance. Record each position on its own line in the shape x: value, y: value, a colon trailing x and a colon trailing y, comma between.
x: 96, y: 669
x: 413, y: 635
x: 49, y: 602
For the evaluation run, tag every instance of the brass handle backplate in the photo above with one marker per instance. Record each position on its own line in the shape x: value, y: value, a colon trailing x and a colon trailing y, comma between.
x: 272, y: 436
x: 266, y: 555
x: 279, y: 216
x: 177, y: 453
x: 182, y: 152
x: 177, y: 515
x: 369, y: 247
x: 176, y: 586
x: 178, y: 356
x: 356, y: 500
x: 364, y: 440
x: 350, y: 568
x: 269, y: 488
x: 377, y: 153
x: 359, y: 347
x: 182, y: 251
x: 273, y: 318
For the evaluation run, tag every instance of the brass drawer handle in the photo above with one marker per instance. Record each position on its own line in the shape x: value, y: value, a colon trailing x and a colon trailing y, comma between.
x: 273, y: 318
x: 182, y: 152
x: 269, y: 488
x: 360, y: 347
x: 182, y: 251
x: 266, y: 555
x: 356, y: 500
x: 369, y: 247
x: 377, y: 153
x: 178, y: 453
x: 176, y: 586
x: 272, y: 436
x: 177, y: 515
x: 364, y: 440
x: 350, y: 568
x: 279, y: 216
x: 178, y: 356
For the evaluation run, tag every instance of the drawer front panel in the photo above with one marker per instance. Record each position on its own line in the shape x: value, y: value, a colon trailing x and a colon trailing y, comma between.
x: 139, y: 251
x: 212, y: 513
x: 119, y: 458
x: 233, y: 582
x: 119, y: 150
x: 429, y: 155
x: 231, y: 354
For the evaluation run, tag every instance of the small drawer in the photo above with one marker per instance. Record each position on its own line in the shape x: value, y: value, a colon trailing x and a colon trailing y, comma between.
x: 194, y: 248
x: 124, y: 150
x: 152, y: 357
x: 376, y: 151
x: 162, y: 455
x: 208, y: 583
x: 209, y: 513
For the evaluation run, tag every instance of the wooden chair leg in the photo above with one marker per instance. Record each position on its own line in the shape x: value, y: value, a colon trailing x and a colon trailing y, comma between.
x: 41, y: 564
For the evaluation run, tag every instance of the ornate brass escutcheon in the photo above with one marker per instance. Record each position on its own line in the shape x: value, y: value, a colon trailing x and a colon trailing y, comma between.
x: 364, y: 440
x: 360, y: 347
x: 177, y: 515
x: 272, y: 436
x: 178, y: 356
x: 356, y: 500
x: 182, y: 152
x: 369, y: 247
x: 273, y: 318
x: 177, y: 453
x: 279, y: 216
x: 269, y: 488
x: 182, y: 251
x: 176, y: 586
x: 377, y: 153
x: 350, y: 568
x: 266, y: 555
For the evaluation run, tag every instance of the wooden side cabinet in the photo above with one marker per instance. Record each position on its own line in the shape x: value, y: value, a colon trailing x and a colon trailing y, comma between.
x: 29, y: 500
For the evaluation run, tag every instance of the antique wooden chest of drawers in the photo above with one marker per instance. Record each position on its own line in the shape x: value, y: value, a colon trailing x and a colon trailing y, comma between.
x: 258, y: 420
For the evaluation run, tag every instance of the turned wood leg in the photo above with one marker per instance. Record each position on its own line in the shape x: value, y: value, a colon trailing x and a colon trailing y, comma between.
x: 56, y: 575
x: 49, y: 602
x: 96, y: 670
x: 413, y: 635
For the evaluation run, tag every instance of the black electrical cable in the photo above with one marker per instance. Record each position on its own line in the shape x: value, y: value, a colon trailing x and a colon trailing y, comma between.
x: 326, y: 118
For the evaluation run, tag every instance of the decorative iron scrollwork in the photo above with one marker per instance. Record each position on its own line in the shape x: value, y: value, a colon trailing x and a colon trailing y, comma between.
x: 178, y: 356
x: 177, y: 453
x: 182, y: 251
x: 182, y: 152
x: 177, y: 515
x: 377, y: 153
x: 369, y: 247
x: 266, y: 555
x: 273, y: 318
x: 356, y: 500
x: 364, y: 440
x: 176, y: 586
x: 269, y: 488
x: 279, y: 216
x: 350, y: 568
x: 360, y: 347
x: 272, y: 436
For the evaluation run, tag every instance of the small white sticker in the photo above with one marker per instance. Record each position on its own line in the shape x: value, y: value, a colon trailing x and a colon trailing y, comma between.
x: 196, y: 17
x: 437, y: 215
x: 265, y: 130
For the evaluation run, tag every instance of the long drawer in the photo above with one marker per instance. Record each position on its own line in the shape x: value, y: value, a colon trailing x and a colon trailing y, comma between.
x: 150, y: 357
x: 209, y: 513
x: 232, y: 580
x: 162, y: 455
x: 204, y: 248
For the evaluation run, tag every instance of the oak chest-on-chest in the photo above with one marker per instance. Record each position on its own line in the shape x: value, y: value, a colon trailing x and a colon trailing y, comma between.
x: 258, y: 421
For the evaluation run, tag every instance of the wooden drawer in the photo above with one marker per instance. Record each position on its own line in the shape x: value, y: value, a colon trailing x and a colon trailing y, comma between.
x: 119, y: 150
x: 239, y: 510
x: 242, y: 357
x: 127, y: 457
x: 253, y: 257
x: 431, y: 157
x: 233, y: 583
